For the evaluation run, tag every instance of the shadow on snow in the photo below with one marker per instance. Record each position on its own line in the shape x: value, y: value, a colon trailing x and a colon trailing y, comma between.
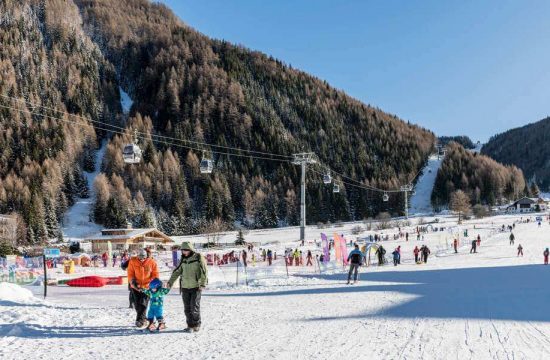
x: 517, y: 293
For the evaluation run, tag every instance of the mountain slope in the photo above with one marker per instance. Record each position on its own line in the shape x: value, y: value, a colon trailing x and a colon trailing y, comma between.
x: 188, y: 86
x: 49, y: 71
x: 527, y: 147
x: 482, y: 178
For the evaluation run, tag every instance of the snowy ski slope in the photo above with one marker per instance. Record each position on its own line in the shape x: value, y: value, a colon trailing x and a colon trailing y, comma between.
x: 489, y: 305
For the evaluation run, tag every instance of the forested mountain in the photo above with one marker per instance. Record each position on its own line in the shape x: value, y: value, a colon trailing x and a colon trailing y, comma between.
x: 528, y: 148
x: 482, y: 178
x: 65, y: 60
x: 463, y: 140
x: 187, y: 86
x: 47, y: 61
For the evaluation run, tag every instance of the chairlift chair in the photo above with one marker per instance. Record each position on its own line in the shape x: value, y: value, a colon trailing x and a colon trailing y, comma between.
x: 206, y: 166
x: 385, y: 197
x: 336, y: 188
x: 327, y: 178
x: 131, y: 154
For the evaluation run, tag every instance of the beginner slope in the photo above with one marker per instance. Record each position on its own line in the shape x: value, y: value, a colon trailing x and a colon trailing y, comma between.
x: 488, y: 305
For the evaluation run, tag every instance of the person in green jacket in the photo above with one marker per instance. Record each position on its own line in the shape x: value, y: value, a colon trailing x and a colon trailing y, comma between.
x: 193, y: 276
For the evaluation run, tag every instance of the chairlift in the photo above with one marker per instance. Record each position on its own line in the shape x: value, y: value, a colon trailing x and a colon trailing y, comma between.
x: 327, y: 179
x: 385, y: 197
x: 206, y: 166
x: 131, y: 154
x: 336, y: 188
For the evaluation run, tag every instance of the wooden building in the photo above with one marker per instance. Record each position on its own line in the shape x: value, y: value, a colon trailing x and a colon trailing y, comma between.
x: 129, y: 239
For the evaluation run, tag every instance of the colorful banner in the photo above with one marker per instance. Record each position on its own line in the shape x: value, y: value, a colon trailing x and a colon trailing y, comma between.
x: 324, y: 245
x: 341, y: 249
x: 337, y: 248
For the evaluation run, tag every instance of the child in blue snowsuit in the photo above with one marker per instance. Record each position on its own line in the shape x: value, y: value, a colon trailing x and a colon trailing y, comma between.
x: 156, y: 295
x: 396, y: 257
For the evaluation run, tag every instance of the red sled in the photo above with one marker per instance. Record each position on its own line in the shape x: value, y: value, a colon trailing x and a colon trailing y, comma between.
x: 88, y: 281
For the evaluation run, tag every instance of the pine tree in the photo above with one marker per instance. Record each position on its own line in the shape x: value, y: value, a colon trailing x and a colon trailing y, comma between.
x: 240, y: 238
x: 114, y: 215
x: 50, y: 219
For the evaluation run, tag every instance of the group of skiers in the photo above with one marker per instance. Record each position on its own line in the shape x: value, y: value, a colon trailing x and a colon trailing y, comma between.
x: 147, y: 291
x: 423, y: 252
x: 266, y: 255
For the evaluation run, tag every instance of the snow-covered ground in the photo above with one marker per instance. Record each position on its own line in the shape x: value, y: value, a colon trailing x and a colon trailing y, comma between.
x: 125, y: 101
x: 421, y: 200
x: 76, y: 222
x: 489, y: 305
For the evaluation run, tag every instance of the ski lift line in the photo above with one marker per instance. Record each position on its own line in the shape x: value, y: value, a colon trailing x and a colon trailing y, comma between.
x: 361, y: 185
x: 145, y: 138
x: 157, y: 135
x: 160, y: 139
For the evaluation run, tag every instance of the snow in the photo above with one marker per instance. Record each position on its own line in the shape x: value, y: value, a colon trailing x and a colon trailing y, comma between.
x: 76, y: 224
x: 421, y: 200
x: 125, y: 101
x: 488, y: 305
x: 15, y: 294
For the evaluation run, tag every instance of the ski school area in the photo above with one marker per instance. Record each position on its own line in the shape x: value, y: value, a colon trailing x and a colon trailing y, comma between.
x: 490, y: 303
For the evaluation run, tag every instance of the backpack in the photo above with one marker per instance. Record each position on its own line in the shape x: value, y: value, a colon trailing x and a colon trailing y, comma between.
x: 355, y: 258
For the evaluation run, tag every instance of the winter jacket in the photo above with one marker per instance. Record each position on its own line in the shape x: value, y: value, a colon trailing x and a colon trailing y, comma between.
x: 546, y: 252
x: 140, y: 273
x: 191, y: 270
x: 396, y: 255
x: 416, y: 251
x: 356, y: 256
x: 156, y: 298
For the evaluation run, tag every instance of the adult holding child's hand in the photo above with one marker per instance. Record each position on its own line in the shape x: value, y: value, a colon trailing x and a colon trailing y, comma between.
x: 141, y: 271
x: 193, y: 275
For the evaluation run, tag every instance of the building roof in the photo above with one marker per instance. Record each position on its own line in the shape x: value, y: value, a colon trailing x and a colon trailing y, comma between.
x: 127, y: 234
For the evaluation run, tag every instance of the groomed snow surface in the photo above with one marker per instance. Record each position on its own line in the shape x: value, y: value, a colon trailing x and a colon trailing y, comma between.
x: 489, y: 305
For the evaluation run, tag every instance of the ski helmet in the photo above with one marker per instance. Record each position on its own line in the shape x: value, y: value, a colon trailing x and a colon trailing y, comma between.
x: 155, y: 284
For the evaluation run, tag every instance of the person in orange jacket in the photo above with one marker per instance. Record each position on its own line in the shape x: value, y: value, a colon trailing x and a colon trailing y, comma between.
x: 141, y: 271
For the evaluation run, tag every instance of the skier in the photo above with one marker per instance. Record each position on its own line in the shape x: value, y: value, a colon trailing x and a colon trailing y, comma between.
x: 478, y: 240
x: 104, y: 257
x: 546, y: 252
x: 156, y: 295
x: 396, y: 257
x: 455, y: 245
x: 264, y: 255
x: 474, y: 246
x: 269, y: 257
x: 380, y: 252
x: 193, y: 275
x: 309, y: 256
x: 141, y: 271
x: 399, y: 251
x: 244, y: 255
x: 512, y: 238
x: 425, y: 253
x: 355, y: 259
x: 520, y: 250
x: 416, y: 251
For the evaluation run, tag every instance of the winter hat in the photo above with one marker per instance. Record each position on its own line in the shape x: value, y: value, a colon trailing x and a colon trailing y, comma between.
x: 187, y: 246
x: 142, y: 254
x: 155, y: 284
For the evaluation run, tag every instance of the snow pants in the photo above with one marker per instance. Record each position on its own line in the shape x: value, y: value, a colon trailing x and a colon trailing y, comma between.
x: 353, y: 268
x: 192, y: 306
x: 140, y: 304
x: 155, y: 312
x: 415, y: 258
x: 546, y: 260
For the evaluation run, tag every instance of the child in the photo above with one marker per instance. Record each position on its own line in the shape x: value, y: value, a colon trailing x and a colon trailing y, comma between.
x: 156, y: 295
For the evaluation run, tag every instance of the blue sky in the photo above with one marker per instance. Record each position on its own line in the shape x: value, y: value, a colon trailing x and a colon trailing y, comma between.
x: 456, y: 67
